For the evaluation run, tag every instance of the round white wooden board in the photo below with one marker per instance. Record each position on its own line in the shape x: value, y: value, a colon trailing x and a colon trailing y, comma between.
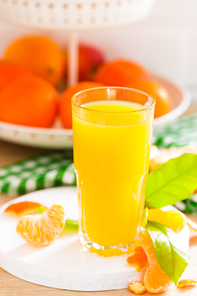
x: 63, y: 264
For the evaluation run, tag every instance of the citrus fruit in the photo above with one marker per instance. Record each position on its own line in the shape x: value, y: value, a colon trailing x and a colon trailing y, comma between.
x: 120, y: 73
x: 155, y: 279
x: 184, y: 283
x: 39, y: 54
x: 42, y: 230
x: 29, y: 101
x: 9, y: 72
x: 172, y: 219
x: 24, y: 208
x: 137, y: 288
x: 156, y: 90
x: 65, y: 109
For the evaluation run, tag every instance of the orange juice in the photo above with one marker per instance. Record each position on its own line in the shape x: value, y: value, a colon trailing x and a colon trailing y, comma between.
x: 112, y: 142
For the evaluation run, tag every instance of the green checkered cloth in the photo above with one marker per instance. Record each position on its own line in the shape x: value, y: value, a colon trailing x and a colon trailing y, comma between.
x: 188, y: 205
x: 39, y: 172
x: 178, y: 133
x: 56, y: 169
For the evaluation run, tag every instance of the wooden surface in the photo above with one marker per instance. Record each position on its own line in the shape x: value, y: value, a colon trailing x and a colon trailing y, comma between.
x: 12, y: 286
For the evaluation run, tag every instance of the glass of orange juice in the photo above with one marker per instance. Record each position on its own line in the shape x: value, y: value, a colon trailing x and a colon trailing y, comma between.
x: 112, y: 131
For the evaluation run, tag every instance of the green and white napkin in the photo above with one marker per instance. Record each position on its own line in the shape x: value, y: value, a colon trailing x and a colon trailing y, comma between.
x: 56, y: 168
x: 39, y: 172
x: 178, y: 133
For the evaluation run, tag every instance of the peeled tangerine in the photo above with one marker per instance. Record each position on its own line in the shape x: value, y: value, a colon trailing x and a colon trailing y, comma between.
x: 143, y: 257
x: 42, y: 230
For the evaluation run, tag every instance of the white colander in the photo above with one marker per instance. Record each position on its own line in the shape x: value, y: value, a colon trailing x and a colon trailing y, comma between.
x: 74, y: 14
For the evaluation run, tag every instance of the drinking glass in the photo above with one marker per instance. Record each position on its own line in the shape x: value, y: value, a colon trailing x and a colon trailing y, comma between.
x: 112, y: 131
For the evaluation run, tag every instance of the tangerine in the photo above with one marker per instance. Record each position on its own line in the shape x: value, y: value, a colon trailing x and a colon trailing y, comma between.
x: 40, y: 54
x: 65, y: 109
x: 29, y: 101
x: 156, y: 90
x: 42, y: 230
x: 120, y: 73
x: 155, y: 279
x: 9, y: 73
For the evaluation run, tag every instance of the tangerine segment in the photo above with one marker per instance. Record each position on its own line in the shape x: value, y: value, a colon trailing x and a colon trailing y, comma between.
x: 155, y: 279
x: 137, y: 288
x: 184, y: 283
x: 172, y: 219
x: 42, y: 230
x: 24, y: 208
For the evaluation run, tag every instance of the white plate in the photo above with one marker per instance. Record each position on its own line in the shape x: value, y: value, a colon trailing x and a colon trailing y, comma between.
x: 63, y: 264
x: 59, y: 138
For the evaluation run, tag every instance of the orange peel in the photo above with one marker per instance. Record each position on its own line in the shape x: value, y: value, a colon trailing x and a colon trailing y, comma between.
x: 173, y: 219
x: 155, y: 279
x: 24, y: 208
x: 137, y: 288
x: 184, y: 283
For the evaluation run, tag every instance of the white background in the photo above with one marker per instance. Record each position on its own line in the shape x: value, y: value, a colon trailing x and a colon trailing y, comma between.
x: 165, y: 42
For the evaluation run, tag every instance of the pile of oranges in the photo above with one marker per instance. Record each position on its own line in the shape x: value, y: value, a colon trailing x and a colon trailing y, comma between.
x: 33, y: 68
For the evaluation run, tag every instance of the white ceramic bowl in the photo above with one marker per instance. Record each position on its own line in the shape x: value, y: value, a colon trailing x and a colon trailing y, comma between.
x: 59, y: 138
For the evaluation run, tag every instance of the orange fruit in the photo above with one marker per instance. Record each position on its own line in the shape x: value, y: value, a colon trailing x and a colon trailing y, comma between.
x: 137, y: 288
x: 43, y: 229
x: 9, y: 73
x: 156, y: 90
x: 65, y: 109
x: 120, y: 73
x: 24, y: 208
x: 29, y: 101
x: 155, y: 279
x: 39, y: 54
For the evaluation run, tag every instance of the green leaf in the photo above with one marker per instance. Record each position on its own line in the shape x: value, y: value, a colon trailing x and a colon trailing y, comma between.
x: 174, y: 181
x: 145, y: 217
x: 168, y: 249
